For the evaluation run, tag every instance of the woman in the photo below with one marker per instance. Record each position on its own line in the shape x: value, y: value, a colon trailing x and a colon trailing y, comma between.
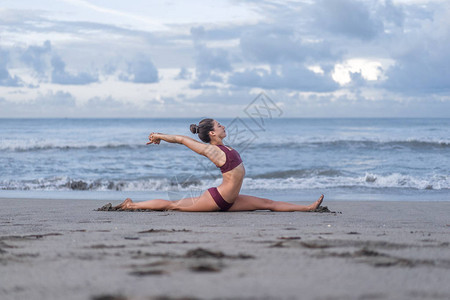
x: 226, y: 196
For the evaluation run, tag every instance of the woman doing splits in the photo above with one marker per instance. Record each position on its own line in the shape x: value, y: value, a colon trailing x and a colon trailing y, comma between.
x: 226, y: 196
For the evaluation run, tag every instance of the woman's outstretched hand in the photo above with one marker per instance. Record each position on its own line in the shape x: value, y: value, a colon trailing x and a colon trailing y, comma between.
x: 154, y: 138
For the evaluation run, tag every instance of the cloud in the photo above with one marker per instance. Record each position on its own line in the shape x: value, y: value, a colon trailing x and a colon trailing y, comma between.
x: 184, y: 74
x: 118, y: 13
x: 40, y: 22
x: 140, y: 70
x: 348, y: 18
x: 292, y: 48
x: 5, y: 77
x: 288, y: 76
x: 357, y: 80
x: 55, y: 99
x: 107, y: 105
x: 227, y: 32
x: 392, y: 13
x: 38, y: 58
x: 56, y: 104
x: 50, y: 104
x: 211, y: 63
x: 208, y: 60
x: 61, y: 76
x: 48, y: 66
x: 279, y: 45
x: 422, y: 63
x: 81, y: 46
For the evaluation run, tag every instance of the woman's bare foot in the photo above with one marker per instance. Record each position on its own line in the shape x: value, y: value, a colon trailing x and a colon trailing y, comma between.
x: 316, y: 204
x: 125, y: 204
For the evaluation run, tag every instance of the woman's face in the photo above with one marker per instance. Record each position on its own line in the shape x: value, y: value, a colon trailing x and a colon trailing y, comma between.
x: 219, y: 129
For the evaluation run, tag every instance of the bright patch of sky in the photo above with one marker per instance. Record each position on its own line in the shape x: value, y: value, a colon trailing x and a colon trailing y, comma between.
x: 369, y: 69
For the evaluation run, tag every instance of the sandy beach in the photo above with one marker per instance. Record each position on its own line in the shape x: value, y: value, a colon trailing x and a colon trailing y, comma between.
x: 65, y: 249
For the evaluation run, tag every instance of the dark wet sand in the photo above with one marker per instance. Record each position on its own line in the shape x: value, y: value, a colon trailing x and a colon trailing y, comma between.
x: 65, y: 249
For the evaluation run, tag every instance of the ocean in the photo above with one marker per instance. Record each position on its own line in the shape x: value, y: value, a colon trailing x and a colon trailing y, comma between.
x: 287, y: 159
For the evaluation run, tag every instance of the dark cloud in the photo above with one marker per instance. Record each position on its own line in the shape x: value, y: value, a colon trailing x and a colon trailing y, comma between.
x: 61, y: 76
x: 280, y: 45
x: 38, y: 57
x: 346, y: 17
x: 211, y: 58
x: 424, y: 75
x: 49, y: 66
x: 357, y: 83
x: 289, y: 76
x: 5, y: 77
x: 422, y: 61
x: 140, y: 70
x: 392, y: 13
x: 208, y: 60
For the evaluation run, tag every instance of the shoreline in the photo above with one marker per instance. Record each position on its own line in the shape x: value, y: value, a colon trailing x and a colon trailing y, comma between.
x: 333, y: 195
x: 53, y: 249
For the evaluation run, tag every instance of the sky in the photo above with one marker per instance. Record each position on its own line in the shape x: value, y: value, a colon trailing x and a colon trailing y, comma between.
x: 146, y: 58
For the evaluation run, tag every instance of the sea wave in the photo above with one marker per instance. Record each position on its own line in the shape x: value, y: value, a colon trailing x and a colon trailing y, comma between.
x: 369, y: 180
x: 320, y: 180
x: 417, y: 144
x: 32, y: 146
x: 43, y: 146
x: 298, y: 173
x: 65, y: 183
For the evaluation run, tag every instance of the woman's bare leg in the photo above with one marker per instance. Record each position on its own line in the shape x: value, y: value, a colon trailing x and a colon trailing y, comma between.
x: 203, y: 203
x: 248, y: 203
x: 155, y: 204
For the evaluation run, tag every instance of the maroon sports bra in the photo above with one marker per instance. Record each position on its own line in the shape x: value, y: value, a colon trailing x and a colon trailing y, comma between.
x: 233, y: 159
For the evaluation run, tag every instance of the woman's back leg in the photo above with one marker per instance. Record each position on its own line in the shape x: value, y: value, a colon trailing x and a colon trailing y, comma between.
x: 249, y: 203
x: 203, y: 203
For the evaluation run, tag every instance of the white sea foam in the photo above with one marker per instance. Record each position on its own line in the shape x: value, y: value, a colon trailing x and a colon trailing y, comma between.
x: 369, y: 180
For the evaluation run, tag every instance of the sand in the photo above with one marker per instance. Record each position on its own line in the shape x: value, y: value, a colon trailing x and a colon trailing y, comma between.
x: 65, y: 249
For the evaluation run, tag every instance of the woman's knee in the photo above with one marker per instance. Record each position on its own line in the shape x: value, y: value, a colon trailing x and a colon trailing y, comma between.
x: 177, y: 205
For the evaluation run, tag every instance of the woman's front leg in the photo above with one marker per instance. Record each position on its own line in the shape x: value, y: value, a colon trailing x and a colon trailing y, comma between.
x: 203, y: 203
x: 155, y: 204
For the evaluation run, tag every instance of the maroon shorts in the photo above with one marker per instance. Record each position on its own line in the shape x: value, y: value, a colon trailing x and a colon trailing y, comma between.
x: 224, y: 205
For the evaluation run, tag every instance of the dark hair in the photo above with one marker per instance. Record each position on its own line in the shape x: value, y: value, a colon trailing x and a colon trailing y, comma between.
x: 203, y: 128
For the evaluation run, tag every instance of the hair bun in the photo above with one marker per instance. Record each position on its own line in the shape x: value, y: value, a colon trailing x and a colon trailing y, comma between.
x: 194, y: 128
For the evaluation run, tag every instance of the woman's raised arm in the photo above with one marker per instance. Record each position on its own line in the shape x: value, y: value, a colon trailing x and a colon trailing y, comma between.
x: 210, y: 151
